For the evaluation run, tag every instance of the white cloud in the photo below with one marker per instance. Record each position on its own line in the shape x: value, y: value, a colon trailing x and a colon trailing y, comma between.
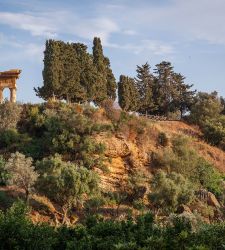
x: 153, y: 46
x: 11, y: 50
x: 182, y: 19
x: 36, y: 25
x: 130, y: 32
x: 51, y: 24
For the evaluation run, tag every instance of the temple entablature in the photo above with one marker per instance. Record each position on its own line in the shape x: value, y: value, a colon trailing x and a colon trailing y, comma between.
x: 8, y: 80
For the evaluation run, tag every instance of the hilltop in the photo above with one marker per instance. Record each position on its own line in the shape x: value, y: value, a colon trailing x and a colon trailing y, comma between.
x: 126, y: 151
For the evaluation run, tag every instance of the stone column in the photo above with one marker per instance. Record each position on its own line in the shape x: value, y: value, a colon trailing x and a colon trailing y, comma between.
x: 13, y: 95
x: 1, y: 95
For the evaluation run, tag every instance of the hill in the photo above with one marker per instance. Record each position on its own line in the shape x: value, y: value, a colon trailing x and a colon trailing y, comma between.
x: 127, y: 152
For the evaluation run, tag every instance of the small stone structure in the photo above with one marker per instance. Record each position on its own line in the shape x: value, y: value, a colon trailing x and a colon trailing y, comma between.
x: 8, y: 80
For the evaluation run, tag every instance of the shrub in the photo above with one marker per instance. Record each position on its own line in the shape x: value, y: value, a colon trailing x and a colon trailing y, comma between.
x: 206, y: 106
x: 214, y: 131
x: 9, y: 115
x: 184, y: 160
x: 163, y: 140
x: 94, y: 203
x: 139, y: 204
x: 169, y: 191
x: 112, y: 113
x: 136, y: 185
x: 8, y: 138
x: 4, y: 175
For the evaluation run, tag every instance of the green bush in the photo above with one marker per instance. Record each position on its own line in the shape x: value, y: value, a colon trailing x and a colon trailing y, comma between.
x: 9, y: 115
x: 4, y: 175
x: 94, y: 203
x: 168, y: 191
x: 8, y: 138
x: 184, y: 160
x: 18, y: 232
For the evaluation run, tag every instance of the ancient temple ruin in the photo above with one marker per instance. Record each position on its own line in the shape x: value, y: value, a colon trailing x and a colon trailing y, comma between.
x: 8, y: 80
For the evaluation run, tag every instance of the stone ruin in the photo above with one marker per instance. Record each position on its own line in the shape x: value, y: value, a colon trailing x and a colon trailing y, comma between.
x: 8, y: 80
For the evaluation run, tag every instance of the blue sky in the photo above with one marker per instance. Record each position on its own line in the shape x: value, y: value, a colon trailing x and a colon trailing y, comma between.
x: 190, y: 34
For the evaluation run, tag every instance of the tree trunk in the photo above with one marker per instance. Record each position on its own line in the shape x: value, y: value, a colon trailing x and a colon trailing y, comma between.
x: 27, y: 193
x: 65, y: 217
x: 117, y: 210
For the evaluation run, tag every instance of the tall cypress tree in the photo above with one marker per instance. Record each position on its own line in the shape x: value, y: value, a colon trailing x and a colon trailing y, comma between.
x: 111, y: 81
x: 71, y: 88
x: 106, y: 83
x: 144, y: 84
x: 51, y: 71
x: 88, y: 72
x: 128, y: 94
x: 99, y: 62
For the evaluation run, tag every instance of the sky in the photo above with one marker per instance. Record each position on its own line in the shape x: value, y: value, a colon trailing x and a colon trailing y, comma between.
x: 190, y: 34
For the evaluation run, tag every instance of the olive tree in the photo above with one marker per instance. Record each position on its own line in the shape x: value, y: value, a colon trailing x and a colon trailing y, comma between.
x: 65, y: 182
x: 21, y: 172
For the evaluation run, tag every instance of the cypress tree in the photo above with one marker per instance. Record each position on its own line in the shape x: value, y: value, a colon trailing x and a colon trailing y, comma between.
x: 71, y: 88
x: 99, y: 62
x: 144, y: 84
x: 111, y: 81
x: 128, y: 95
x: 88, y: 72
x: 51, y: 71
x: 106, y: 82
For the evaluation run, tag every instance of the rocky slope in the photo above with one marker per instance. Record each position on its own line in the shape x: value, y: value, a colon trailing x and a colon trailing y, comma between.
x: 127, y: 152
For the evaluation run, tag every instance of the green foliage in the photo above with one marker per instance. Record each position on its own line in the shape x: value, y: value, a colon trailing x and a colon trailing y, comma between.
x: 9, y: 115
x: 65, y: 182
x: 4, y: 175
x: 65, y: 130
x: 17, y: 232
x: 6, y: 201
x: 206, y: 106
x: 9, y: 137
x: 214, y: 131
x: 128, y: 94
x: 136, y: 185
x: 144, y: 84
x: 163, y: 93
x: 72, y: 74
x: 21, y: 172
x: 184, y: 160
x: 94, y: 203
x: 169, y: 191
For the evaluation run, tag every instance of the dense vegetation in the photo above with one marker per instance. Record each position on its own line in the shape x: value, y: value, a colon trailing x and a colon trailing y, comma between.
x: 18, y: 232
x: 71, y: 73
x: 51, y: 157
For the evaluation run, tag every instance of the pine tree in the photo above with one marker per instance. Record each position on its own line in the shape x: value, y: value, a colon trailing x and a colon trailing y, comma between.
x: 165, y: 88
x: 127, y: 94
x: 144, y: 84
x: 184, y: 98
